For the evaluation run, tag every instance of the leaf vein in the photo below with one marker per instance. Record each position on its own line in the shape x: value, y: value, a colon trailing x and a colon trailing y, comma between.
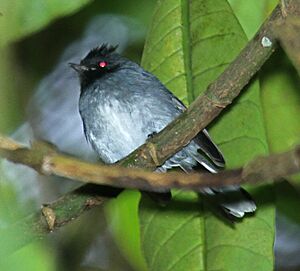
x: 211, y: 13
x: 170, y: 267
x: 161, y: 245
x: 166, y: 58
x: 149, y: 222
x: 161, y: 19
x: 243, y: 137
x: 216, y: 36
x: 174, y: 77
x: 201, y: 72
x: 249, y: 102
x: 265, y: 223
x: 220, y: 246
x: 162, y: 38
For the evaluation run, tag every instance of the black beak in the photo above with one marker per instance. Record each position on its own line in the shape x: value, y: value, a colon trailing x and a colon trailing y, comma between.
x: 77, y: 67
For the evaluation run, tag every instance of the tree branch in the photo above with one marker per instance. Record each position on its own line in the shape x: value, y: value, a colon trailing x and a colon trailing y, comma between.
x: 53, y: 216
x: 49, y: 162
x: 208, y: 106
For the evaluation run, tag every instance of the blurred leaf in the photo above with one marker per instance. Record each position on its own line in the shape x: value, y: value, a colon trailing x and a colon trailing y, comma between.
x: 122, y: 217
x: 20, y: 18
x: 9, y: 99
x: 31, y: 257
x: 190, y: 43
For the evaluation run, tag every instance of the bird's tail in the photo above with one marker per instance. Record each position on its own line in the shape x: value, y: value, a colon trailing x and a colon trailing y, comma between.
x: 233, y: 201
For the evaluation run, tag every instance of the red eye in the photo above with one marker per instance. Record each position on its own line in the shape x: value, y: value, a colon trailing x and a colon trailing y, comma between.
x: 102, y: 64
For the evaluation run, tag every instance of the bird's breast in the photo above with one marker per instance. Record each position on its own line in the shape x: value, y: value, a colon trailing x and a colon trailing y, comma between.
x: 114, y: 127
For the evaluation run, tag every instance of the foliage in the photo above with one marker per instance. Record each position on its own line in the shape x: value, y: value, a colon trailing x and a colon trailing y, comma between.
x: 18, y: 19
x: 188, y: 45
x: 21, y: 18
x: 10, y: 212
x: 188, y: 50
x: 173, y: 239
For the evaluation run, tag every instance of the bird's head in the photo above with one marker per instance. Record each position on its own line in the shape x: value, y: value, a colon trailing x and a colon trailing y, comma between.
x: 99, y: 61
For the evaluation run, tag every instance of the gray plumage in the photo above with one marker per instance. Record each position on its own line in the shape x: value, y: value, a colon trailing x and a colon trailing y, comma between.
x: 121, y: 105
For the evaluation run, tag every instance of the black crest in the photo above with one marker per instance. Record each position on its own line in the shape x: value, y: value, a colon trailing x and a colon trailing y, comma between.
x: 101, y: 51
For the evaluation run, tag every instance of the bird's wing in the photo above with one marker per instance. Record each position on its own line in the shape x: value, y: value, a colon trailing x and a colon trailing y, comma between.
x: 168, y: 106
x: 207, y: 146
x: 232, y: 201
x: 203, y: 140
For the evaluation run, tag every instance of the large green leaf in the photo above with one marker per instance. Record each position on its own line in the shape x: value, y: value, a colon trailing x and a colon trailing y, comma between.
x: 20, y: 18
x: 189, y: 44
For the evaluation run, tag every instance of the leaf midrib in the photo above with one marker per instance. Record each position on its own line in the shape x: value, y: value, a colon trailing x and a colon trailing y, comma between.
x: 186, y: 48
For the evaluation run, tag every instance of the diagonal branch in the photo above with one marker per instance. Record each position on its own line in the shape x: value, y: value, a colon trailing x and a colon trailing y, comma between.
x: 208, y: 106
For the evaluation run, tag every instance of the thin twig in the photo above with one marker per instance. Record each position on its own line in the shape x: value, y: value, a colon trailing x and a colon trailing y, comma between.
x: 283, y: 8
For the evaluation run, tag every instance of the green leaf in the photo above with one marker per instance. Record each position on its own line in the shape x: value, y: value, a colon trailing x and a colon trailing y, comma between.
x: 10, y: 100
x: 281, y: 98
x: 189, y: 44
x: 248, y: 245
x: 279, y: 84
x: 23, y: 259
x: 173, y: 236
x: 21, y: 18
x: 251, y: 13
x: 122, y: 217
x: 10, y: 212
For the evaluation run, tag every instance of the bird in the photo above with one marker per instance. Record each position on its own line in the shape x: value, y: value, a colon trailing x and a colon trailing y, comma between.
x: 122, y: 105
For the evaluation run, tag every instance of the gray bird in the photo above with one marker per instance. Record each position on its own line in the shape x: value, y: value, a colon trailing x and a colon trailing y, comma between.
x: 121, y: 105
